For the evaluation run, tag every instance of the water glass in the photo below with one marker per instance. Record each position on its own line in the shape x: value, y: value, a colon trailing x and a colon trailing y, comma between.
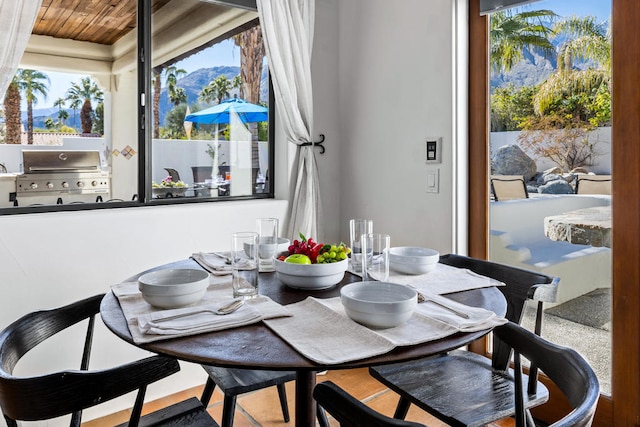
x: 244, y: 264
x: 375, y: 256
x: 358, y: 228
x: 268, y: 242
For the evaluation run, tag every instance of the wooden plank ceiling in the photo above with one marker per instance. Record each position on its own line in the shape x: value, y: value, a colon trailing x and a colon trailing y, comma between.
x: 96, y: 21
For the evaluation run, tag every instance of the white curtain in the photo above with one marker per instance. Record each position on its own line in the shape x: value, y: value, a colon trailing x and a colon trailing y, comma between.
x: 287, y: 28
x: 16, y: 22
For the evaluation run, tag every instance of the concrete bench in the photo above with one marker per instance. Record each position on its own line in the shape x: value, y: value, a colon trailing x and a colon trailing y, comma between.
x: 517, y: 238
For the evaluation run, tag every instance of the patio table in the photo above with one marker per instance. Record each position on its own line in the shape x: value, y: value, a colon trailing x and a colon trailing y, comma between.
x: 588, y: 226
x: 257, y: 347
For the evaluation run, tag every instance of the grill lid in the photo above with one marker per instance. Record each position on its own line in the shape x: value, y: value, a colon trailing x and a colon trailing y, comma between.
x: 49, y: 161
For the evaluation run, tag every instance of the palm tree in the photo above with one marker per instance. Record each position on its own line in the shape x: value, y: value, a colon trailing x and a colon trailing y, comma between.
x: 60, y: 104
x: 252, y: 54
x: 87, y: 91
x: 62, y: 116
x: 217, y: 90
x: 13, y: 124
x: 32, y: 83
x: 157, y: 87
x: 510, y: 33
x: 74, y: 105
x: 237, y: 84
x: 176, y: 95
x: 588, y: 41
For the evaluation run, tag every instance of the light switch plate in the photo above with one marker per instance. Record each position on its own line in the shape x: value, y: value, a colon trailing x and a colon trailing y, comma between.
x: 433, y: 181
x: 433, y: 150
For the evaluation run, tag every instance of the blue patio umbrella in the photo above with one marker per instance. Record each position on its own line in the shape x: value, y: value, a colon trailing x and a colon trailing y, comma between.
x: 220, y: 114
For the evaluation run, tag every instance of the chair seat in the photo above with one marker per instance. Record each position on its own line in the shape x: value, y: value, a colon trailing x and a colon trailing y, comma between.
x: 189, y: 412
x: 233, y: 382
x: 481, y: 395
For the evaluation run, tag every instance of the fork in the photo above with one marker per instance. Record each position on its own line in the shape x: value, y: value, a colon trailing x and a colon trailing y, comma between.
x: 225, y: 309
x: 422, y: 298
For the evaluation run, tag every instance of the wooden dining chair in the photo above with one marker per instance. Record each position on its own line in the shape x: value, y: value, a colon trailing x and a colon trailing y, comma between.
x: 593, y: 184
x: 456, y: 386
x: 349, y: 411
x: 233, y: 382
x: 508, y: 187
x: 69, y: 392
x: 568, y: 371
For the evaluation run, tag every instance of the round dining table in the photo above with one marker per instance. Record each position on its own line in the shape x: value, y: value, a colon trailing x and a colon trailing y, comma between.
x: 257, y: 347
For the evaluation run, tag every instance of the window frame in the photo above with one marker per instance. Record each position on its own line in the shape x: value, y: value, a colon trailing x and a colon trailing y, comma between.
x: 145, y: 129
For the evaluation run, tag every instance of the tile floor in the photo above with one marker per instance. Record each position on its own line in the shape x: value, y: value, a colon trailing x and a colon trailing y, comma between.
x: 262, y: 408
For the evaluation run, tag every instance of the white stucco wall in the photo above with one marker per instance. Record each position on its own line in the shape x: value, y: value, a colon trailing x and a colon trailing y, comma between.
x: 383, y: 81
x: 396, y: 88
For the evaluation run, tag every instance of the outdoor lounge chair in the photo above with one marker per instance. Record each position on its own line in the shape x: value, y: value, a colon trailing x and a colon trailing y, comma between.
x: 593, y: 184
x: 508, y: 187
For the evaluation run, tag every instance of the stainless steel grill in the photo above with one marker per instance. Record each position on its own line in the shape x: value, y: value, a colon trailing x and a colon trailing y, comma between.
x: 60, y: 177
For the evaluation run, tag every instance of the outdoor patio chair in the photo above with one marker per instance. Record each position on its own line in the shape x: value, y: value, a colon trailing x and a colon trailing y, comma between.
x: 593, y: 184
x: 508, y: 187
x: 450, y: 386
x: 175, y: 176
x: 69, y: 392
x: 568, y: 371
x: 201, y: 173
x: 233, y: 382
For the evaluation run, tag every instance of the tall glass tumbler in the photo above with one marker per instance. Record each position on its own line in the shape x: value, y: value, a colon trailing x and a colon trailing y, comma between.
x: 268, y: 241
x: 358, y: 228
x: 244, y: 264
x: 375, y: 256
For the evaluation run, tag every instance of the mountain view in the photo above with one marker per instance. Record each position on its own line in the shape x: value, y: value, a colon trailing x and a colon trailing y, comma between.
x: 192, y: 84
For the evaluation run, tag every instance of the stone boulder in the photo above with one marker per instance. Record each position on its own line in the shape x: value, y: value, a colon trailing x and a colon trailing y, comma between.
x: 511, y: 160
x: 557, y: 186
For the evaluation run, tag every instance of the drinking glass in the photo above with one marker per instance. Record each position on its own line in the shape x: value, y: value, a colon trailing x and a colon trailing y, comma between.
x: 375, y: 256
x: 268, y: 242
x: 244, y: 264
x: 358, y: 228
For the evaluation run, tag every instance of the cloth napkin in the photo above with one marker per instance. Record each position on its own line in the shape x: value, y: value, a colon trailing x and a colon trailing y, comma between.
x: 142, y: 318
x: 215, y: 264
x: 196, y: 321
x: 445, y: 279
x: 479, y: 318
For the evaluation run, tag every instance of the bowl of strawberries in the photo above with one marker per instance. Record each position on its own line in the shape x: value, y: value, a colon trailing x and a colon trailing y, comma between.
x: 311, y: 265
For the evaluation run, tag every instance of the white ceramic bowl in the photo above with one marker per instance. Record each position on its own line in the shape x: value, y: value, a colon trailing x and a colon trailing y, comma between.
x: 282, y: 244
x: 413, y: 260
x: 173, y: 288
x: 378, y: 304
x: 310, y: 276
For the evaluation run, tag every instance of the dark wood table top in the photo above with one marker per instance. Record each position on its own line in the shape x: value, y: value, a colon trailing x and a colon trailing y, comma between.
x: 257, y: 347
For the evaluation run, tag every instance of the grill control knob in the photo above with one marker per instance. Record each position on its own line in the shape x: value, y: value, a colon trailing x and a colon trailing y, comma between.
x: 33, y: 185
x: 94, y: 183
x: 65, y: 184
x: 80, y: 184
x: 49, y: 185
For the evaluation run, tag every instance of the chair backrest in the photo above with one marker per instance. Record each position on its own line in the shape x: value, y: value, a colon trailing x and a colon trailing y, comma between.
x: 201, y: 173
x: 66, y: 392
x: 508, y: 187
x: 593, y: 184
x: 175, y: 176
x: 349, y: 411
x: 521, y: 285
x: 565, y: 368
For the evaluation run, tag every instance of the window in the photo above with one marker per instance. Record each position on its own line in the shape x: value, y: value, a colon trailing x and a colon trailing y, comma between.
x: 202, y: 61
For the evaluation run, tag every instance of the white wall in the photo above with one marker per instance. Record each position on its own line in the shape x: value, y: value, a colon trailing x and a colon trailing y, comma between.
x: 396, y: 87
x: 601, y: 137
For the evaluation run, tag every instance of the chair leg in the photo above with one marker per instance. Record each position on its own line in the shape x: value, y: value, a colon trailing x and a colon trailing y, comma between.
x: 207, y: 392
x: 228, y: 410
x: 402, y: 409
x: 282, y: 394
